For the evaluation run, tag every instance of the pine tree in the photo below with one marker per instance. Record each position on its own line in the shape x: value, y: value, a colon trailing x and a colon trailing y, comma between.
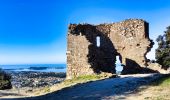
x: 163, y: 50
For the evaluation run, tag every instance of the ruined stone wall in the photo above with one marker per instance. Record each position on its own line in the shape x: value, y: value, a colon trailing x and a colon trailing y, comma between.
x: 129, y: 39
x: 83, y: 55
x: 77, y: 51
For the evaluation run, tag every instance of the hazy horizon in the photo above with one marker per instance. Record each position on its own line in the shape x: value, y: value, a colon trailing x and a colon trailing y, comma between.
x: 34, y: 64
x: 35, y: 31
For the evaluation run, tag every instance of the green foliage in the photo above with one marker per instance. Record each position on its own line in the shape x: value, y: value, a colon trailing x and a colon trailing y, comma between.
x: 87, y: 78
x: 46, y: 89
x: 163, y: 50
x: 4, y: 80
x: 160, y: 88
x: 84, y: 78
x: 164, y: 81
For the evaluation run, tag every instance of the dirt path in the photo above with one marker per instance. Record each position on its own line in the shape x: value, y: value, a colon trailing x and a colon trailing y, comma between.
x: 114, y: 88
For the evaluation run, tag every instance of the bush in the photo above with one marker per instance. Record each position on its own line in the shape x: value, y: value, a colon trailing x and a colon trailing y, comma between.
x: 5, y: 80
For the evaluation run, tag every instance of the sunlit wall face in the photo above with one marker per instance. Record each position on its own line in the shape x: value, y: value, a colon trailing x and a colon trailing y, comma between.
x: 34, y: 31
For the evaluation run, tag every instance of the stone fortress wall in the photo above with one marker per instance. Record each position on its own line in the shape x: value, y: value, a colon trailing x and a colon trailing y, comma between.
x: 128, y: 39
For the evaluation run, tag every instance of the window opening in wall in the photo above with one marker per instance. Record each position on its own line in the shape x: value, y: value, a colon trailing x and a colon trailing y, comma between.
x: 119, y: 67
x: 98, y: 41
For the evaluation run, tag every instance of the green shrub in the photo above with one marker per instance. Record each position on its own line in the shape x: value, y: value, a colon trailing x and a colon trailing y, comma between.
x: 4, y: 80
x: 164, y: 81
x: 87, y: 78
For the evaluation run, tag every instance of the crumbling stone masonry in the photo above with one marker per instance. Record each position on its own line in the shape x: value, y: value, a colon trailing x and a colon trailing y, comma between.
x: 128, y: 39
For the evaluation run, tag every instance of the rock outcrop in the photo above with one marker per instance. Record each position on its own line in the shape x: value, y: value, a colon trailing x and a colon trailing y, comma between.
x: 157, y: 68
x: 128, y: 39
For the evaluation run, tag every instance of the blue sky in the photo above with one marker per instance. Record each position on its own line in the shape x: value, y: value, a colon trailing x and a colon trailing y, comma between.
x: 34, y: 31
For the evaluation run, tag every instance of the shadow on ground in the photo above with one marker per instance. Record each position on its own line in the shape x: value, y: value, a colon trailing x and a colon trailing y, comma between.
x: 99, y: 89
x: 160, y: 81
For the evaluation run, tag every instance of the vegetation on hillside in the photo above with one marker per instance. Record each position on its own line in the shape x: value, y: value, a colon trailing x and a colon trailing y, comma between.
x: 87, y: 78
x: 163, y: 50
x: 75, y: 81
x: 159, y: 89
x: 4, y: 80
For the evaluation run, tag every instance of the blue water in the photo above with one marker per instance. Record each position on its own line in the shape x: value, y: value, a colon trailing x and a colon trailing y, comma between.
x: 44, y: 67
x: 36, y: 67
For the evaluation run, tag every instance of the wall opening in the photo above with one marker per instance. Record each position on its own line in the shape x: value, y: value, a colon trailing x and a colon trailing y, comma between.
x: 119, y: 66
x: 98, y: 41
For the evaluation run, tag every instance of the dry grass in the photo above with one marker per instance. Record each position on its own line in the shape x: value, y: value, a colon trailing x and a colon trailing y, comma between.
x: 161, y: 89
x: 158, y: 90
x: 72, y: 82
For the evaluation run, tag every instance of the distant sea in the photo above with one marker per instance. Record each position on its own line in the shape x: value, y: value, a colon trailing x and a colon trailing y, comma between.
x: 35, y: 67
x: 43, y: 67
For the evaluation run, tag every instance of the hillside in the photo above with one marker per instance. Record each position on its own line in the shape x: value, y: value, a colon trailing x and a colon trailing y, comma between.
x: 125, y: 87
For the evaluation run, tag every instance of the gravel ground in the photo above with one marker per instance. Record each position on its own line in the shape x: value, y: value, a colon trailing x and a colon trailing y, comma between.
x: 113, y: 88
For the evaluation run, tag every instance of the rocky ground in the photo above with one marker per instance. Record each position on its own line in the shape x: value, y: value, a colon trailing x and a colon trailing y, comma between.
x: 124, y: 87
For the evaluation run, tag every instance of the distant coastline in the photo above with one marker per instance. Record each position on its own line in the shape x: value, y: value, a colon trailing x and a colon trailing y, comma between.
x: 35, y: 67
x: 44, y: 67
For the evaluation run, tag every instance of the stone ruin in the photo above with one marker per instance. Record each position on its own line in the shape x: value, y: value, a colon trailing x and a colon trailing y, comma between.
x: 128, y: 39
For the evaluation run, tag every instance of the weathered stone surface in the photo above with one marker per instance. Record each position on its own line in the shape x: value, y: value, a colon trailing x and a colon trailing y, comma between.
x: 157, y: 67
x: 131, y: 40
x: 83, y: 56
x: 128, y: 39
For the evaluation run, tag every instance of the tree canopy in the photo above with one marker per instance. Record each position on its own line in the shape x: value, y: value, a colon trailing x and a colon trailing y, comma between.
x: 163, y: 50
